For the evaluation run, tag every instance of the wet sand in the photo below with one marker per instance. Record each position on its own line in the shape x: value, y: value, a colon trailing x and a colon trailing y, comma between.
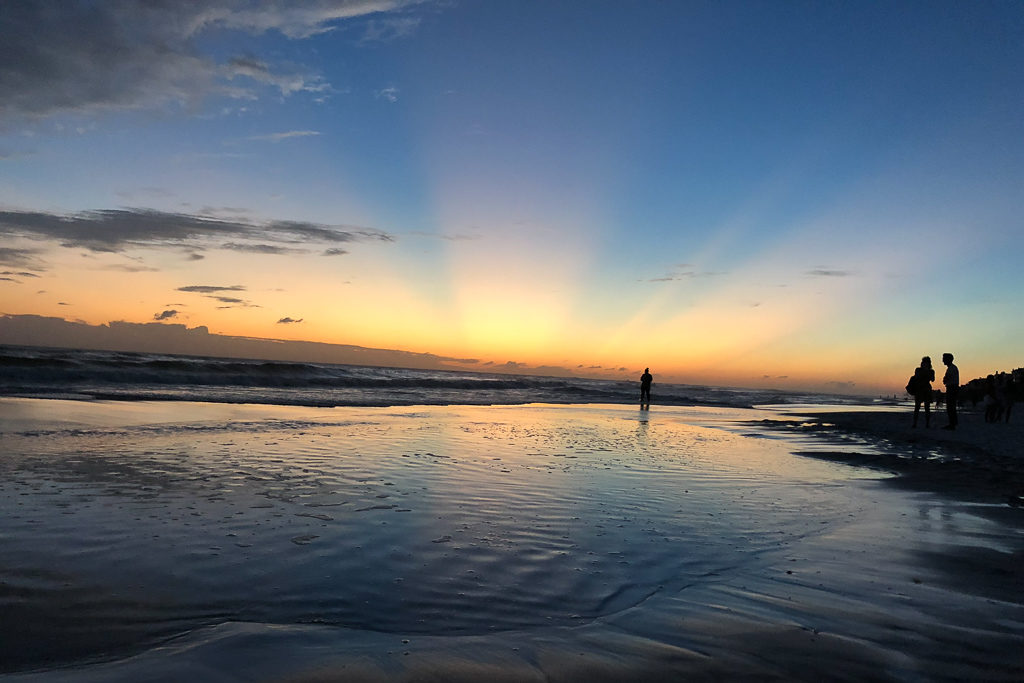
x: 979, y: 461
x: 155, y: 541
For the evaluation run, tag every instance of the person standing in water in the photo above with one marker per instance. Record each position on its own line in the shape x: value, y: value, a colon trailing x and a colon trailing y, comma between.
x: 923, y: 378
x: 645, y: 388
x: 951, y: 380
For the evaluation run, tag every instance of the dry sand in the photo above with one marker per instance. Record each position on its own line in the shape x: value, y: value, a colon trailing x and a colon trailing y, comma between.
x: 168, y: 542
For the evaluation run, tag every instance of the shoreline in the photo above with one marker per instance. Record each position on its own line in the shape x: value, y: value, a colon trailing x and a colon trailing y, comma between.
x: 979, y: 462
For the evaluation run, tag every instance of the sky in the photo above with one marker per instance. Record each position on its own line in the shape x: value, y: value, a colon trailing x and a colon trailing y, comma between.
x: 797, y: 195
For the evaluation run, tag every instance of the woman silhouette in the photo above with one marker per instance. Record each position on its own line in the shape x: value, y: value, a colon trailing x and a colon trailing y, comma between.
x: 923, y: 378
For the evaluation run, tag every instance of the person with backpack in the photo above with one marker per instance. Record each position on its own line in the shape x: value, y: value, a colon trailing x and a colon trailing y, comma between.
x: 920, y: 386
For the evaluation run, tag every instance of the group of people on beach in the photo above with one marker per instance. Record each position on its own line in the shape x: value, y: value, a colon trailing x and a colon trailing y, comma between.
x: 998, y: 393
x: 920, y: 387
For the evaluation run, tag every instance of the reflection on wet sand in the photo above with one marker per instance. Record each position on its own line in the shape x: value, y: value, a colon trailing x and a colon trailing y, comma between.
x: 565, y: 529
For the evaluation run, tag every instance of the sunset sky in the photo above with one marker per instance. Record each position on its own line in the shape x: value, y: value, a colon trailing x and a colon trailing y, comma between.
x: 785, y: 194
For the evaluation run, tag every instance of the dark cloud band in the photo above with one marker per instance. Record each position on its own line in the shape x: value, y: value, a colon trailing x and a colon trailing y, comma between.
x: 113, y: 230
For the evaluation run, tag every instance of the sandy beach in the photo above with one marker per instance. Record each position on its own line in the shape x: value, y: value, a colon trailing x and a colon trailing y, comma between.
x: 979, y: 461
x: 166, y: 541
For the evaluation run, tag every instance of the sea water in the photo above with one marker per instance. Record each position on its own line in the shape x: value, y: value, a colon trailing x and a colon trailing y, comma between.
x: 44, y: 372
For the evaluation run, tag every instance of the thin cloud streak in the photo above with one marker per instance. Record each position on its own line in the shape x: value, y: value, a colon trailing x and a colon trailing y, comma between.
x: 211, y: 289
x: 278, y: 137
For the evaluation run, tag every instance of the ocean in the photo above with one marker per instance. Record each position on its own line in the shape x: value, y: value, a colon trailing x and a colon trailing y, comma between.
x: 115, y: 375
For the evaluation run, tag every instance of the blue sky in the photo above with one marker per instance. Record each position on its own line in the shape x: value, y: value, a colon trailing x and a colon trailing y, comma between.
x: 807, y: 195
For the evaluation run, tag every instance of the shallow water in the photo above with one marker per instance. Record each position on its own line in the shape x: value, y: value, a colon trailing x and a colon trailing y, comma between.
x: 125, y: 525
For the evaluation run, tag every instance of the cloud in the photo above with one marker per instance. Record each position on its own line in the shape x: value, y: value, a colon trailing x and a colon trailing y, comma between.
x: 384, y: 30
x: 686, y: 275
x: 390, y: 94
x: 278, y: 137
x: 166, y: 315
x: 224, y: 211
x: 90, y: 57
x: 288, y: 321
x: 211, y: 289
x: 826, y: 272
x: 18, y: 273
x: 130, y: 268
x: 19, y: 258
x: 215, y: 292
x: 334, y: 251
x: 113, y: 230
x: 263, y: 248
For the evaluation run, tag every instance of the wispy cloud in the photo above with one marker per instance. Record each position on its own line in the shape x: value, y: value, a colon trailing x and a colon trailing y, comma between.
x: 272, y: 249
x: 216, y: 292
x: 686, y: 275
x: 114, y: 230
x: 828, y: 272
x: 289, y: 321
x: 211, y: 289
x: 166, y: 315
x: 87, y: 58
x: 390, y: 94
x: 130, y: 268
x: 278, y: 137
x: 384, y: 30
x: 19, y: 258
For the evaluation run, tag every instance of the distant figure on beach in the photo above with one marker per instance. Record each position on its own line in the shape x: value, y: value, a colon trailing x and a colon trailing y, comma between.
x: 951, y: 380
x: 645, y: 388
x: 999, y: 397
x: 993, y: 400
x: 923, y: 378
x: 1014, y: 391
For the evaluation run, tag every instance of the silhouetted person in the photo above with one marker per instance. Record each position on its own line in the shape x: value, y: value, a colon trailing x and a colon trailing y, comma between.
x: 993, y: 405
x: 645, y: 388
x: 1013, y: 392
x: 951, y: 380
x: 923, y: 378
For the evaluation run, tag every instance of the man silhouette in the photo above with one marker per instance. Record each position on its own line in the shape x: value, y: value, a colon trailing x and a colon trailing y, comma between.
x: 645, y: 387
x: 951, y: 380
